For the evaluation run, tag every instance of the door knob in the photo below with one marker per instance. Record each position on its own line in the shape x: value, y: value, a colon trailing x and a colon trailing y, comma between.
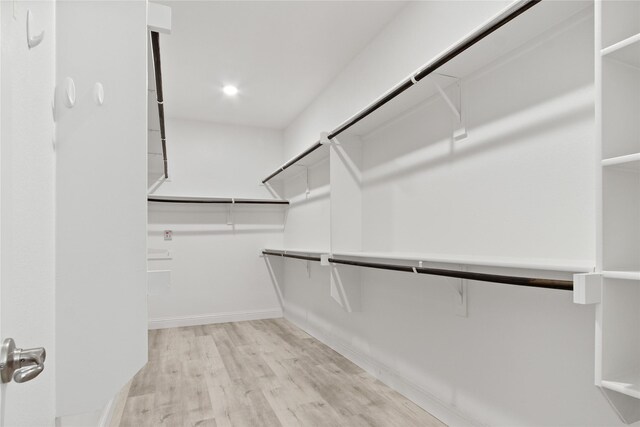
x: 18, y: 364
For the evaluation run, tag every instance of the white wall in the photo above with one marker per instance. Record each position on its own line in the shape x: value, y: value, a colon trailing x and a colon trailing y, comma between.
x: 101, y: 215
x: 522, y: 356
x: 27, y: 200
x: 217, y: 274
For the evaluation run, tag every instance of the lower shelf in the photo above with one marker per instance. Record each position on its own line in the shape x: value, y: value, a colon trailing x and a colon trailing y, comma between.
x: 627, y: 383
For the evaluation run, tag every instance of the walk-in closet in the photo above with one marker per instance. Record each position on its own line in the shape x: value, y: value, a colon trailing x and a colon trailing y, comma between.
x: 320, y: 213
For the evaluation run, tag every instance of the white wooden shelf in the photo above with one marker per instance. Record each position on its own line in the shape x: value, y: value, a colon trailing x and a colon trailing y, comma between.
x: 300, y: 163
x: 622, y: 275
x: 627, y: 51
x: 630, y: 162
x: 627, y: 383
x: 580, y: 266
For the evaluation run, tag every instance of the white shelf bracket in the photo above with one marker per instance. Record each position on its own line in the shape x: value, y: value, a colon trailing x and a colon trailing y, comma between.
x: 460, y: 130
x: 230, y: 212
x: 460, y: 296
x: 309, y: 269
x: 587, y: 288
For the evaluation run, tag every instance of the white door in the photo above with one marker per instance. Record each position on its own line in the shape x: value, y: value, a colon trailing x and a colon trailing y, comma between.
x: 72, y: 202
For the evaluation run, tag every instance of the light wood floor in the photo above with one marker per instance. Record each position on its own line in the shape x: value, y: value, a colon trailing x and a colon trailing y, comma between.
x: 256, y: 373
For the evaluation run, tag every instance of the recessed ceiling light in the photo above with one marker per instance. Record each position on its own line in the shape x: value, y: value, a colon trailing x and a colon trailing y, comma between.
x: 230, y: 90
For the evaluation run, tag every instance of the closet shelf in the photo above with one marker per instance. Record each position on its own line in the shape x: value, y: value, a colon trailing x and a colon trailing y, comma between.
x: 630, y: 162
x: 623, y: 275
x: 627, y: 51
x: 215, y: 200
x: 449, y: 67
x: 308, y: 158
x: 540, y: 264
x: 627, y: 383
x: 544, y: 283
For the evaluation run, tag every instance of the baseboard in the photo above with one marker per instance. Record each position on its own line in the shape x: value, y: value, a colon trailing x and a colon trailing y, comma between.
x: 412, y: 391
x: 207, y: 319
x: 107, y: 413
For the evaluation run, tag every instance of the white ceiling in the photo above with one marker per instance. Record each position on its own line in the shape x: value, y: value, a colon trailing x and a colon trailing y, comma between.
x: 279, y: 54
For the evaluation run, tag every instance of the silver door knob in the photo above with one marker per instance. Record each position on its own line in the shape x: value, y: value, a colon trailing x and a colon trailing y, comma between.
x: 18, y: 364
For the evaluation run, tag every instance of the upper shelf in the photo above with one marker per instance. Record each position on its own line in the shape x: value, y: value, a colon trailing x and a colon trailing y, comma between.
x: 481, y: 47
x: 309, y: 157
x: 215, y: 200
x: 627, y: 51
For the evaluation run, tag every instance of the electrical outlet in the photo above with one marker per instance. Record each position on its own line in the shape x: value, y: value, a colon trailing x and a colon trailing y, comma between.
x: 168, y: 235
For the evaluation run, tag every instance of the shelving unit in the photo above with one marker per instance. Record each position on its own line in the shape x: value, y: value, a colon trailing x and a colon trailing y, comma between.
x: 617, y: 369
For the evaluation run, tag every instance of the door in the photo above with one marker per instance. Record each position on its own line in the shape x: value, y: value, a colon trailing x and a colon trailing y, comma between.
x: 73, y: 202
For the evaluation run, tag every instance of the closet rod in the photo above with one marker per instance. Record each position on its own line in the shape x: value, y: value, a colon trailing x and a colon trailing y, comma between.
x: 300, y: 156
x: 566, y: 285
x: 429, y: 68
x: 286, y: 255
x: 219, y: 201
x: 155, y: 47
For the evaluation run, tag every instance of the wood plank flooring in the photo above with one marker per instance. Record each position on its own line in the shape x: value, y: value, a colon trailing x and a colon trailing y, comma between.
x: 256, y: 373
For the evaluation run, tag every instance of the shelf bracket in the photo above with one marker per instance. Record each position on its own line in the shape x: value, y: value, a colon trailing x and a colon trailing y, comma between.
x: 460, y: 296
x: 460, y: 130
x: 230, y: 212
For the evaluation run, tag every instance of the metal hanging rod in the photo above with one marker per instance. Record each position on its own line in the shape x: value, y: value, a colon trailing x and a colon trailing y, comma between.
x: 566, y: 285
x: 295, y: 256
x: 227, y: 200
x: 429, y: 68
x: 155, y: 48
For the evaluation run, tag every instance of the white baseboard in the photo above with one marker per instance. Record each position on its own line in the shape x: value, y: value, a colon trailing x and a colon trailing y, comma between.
x: 107, y: 413
x: 207, y: 319
x: 99, y: 418
x: 412, y: 391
